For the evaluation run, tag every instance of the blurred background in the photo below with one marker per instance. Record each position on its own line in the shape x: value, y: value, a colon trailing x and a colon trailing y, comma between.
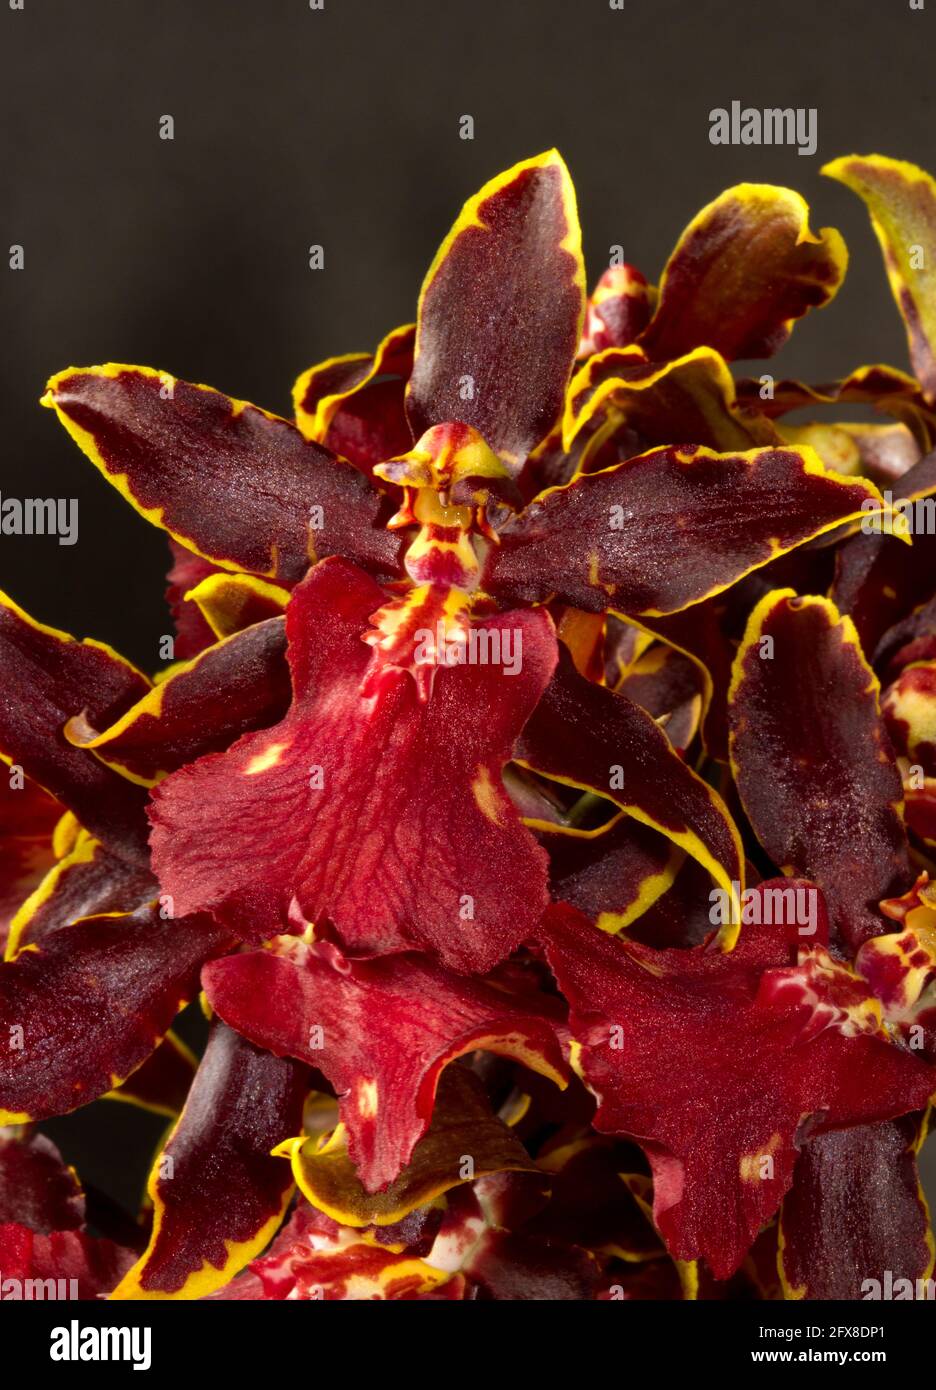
x: 340, y: 126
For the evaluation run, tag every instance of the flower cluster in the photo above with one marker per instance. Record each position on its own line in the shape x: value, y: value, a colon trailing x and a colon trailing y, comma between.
x: 520, y: 799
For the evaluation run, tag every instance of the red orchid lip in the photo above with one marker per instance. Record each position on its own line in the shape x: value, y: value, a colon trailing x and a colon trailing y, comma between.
x: 521, y: 796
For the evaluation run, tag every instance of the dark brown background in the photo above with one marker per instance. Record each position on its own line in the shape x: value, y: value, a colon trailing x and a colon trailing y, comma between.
x: 341, y: 127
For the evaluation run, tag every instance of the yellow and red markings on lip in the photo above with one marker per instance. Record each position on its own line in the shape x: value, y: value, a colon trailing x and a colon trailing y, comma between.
x: 900, y: 966
x: 362, y: 724
x: 447, y: 478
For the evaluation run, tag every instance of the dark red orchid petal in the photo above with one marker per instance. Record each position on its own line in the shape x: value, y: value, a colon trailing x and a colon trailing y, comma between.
x: 28, y: 817
x: 335, y: 377
x: 371, y: 425
x: 668, y: 684
x: 193, y: 633
x: 234, y: 687
x: 854, y: 1225
x: 238, y: 486
x: 746, y: 267
x: 61, y: 1265
x: 381, y: 1031
x: 584, y: 734
x: 355, y: 404
x: 879, y: 578
x: 325, y: 389
x: 48, y: 678
x: 231, y: 602
x: 884, y: 453
x: 218, y: 1194
x: 36, y: 1188
x: 712, y: 1061
x: 909, y: 710
x: 613, y: 876
x: 687, y: 401
x: 87, y: 1007
x: 464, y: 1141
x: 681, y: 916
x: 703, y: 633
x: 864, y: 386
x: 618, y: 310
x: 812, y: 761
x: 86, y: 882
x: 379, y: 810
x: 162, y: 1083
x: 552, y: 465
x: 901, y: 199
x: 664, y: 530
x: 501, y: 309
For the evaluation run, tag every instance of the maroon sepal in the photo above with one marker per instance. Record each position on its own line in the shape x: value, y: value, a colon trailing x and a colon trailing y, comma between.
x: 812, y: 761
x: 49, y: 678
x: 668, y: 528
x: 83, y: 1010
x: 240, y: 487
x: 854, y: 1225
x: 500, y: 313
x: 218, y: 1194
